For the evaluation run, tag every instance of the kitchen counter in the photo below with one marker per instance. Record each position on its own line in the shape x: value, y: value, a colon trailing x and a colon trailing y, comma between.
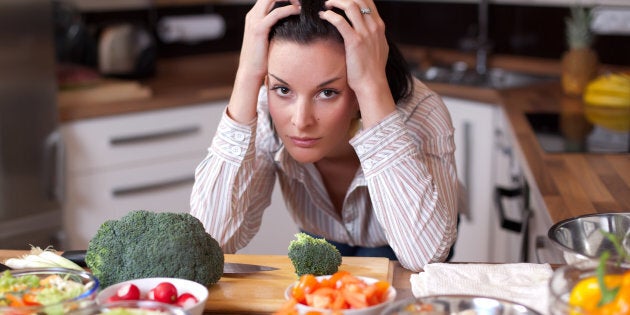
x: 228, y: 294
x: 569, y: 184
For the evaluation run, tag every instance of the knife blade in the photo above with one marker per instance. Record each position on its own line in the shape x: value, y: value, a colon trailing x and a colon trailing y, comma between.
x: 78, y: 257
x: 232, y: 268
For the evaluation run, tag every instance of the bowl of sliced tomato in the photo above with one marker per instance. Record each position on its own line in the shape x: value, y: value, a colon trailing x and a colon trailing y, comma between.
x: 339, y: 293
x: 47, y: 291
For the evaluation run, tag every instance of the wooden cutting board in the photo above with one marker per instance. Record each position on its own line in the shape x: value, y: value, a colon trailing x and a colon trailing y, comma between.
x: 263, y: 292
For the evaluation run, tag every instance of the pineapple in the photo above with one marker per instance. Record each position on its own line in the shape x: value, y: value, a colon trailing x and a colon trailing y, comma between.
x: 578, y: 30
x: 579, y: 63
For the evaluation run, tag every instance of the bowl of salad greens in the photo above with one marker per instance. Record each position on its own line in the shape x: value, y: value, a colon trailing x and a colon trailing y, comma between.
x: 46, y: 291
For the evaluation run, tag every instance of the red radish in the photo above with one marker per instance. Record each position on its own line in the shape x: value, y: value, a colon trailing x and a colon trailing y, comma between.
x: 186, y: 300
x: 128, y: 291
x: 165, y: 292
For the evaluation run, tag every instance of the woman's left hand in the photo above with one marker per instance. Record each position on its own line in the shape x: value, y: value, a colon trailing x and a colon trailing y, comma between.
x: 366, y: 55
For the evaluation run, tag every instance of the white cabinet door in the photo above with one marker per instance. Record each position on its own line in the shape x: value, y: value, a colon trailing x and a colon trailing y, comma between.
x: 129, y: 162
x: 474, y: 134
x: 147, y: 161
x: 125, y: 140
x: 94, y: 198
x: 480, y: 238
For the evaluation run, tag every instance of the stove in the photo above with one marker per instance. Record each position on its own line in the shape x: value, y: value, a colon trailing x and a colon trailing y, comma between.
x: 579, y: 133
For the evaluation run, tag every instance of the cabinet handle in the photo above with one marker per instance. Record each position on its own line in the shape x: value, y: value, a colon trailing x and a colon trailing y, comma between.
x: 124, y: 192
x: 160, y: 135
x: 467, y: 164
x: 54, y: 157
x: 519, y: 192
x: 513, y: 225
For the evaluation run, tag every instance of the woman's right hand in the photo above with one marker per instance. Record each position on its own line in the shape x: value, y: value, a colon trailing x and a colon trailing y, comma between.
x: 258, y: 23
x: 253, y: 59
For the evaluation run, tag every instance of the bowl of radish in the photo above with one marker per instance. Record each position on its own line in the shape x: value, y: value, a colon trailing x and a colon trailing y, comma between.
x: 188, y: 295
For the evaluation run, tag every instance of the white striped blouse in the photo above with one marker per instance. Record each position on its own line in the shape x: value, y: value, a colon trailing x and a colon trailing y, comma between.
x: 404, y: 194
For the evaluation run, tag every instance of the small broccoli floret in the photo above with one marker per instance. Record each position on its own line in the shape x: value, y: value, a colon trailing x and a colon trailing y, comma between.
x: 146, y: 244
x: 315, y: 256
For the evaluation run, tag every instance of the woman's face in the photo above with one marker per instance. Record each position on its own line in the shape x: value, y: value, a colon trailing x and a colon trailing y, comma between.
x: 310, y: 101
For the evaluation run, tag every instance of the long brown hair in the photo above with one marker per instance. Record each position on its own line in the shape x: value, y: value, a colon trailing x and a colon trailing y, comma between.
x: 308, y: 26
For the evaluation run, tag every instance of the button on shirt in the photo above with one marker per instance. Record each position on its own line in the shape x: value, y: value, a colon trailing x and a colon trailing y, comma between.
x: 403, y: 195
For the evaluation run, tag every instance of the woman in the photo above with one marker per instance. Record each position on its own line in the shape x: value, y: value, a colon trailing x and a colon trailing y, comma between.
x: 363, y: 152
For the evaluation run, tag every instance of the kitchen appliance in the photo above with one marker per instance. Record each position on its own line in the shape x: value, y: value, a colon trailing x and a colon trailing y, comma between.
x: 30, y: 146
x: 126, y: 50
x: 590, y: 132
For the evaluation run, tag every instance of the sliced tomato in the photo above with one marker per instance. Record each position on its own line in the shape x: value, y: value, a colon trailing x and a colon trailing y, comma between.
x: 355, y: 299
x: 334, y: 278
x: 30, y: 299
x: 306, y: 284
x: 14, y: 300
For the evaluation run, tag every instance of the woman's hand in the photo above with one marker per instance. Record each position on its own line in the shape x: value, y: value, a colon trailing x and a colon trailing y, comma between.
x: 366, y: 56
x: 253, y: 59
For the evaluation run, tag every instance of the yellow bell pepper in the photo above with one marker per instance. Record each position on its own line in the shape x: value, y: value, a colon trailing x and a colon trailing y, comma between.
x: 586, y: 295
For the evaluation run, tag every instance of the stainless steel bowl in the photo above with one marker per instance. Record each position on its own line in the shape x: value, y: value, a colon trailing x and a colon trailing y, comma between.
x: 580, y: 238
x: 457, y: 304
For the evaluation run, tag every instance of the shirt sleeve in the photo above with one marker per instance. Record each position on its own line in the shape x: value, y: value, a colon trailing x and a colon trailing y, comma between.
x: 233, y: 185
x: 409, y: 166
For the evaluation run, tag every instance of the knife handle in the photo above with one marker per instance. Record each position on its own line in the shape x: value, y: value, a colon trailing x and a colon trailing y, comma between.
x: 76, y: 256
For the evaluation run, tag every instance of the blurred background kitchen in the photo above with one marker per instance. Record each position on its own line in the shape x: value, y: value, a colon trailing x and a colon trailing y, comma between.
x: 108, y: 106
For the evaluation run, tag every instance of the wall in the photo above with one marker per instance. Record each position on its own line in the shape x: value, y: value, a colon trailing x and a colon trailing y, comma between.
x: 526, y: 30
x: 536, y: 31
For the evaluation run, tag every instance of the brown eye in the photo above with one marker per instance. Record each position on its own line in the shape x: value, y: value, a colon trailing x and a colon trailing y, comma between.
x: 281, y: 90
x: 328, y: 93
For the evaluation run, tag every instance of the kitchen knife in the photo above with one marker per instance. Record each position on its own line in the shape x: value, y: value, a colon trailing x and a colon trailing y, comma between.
x: 78, y: 257
x: 4, y: 267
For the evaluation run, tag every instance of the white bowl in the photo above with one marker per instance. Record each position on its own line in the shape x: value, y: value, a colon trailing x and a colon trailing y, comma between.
x: 146, y: 284
x: 372, y: 310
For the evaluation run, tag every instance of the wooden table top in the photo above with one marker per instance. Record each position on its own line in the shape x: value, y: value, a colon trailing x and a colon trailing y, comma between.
x: 396, y: 274
x: 570, y: 184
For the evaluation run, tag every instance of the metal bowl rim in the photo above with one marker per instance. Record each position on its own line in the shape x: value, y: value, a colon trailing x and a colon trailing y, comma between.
x: 471, y: 297
x: 558, y: 224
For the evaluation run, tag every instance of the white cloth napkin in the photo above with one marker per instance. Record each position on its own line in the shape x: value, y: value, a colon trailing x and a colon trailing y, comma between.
x: 523, y: 283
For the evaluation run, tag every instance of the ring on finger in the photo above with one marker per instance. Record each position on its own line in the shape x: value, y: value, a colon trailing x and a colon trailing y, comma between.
x: 365, y: 10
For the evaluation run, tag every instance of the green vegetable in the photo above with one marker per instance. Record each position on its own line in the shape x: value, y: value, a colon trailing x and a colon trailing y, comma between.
x: 41, y: 258
x: 145, y: 244
x: 314, y: 256
x: 608, y: 294
x: 31, y: 291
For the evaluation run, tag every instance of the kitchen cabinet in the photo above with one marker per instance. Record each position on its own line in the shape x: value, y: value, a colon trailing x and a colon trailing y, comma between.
x: 146, y: 160
x: 482, y: 163
x: 538, y: 246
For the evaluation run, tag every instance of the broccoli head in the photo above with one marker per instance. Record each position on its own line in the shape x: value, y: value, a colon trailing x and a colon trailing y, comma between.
x: 315, y: 256
x: 145, y: 244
